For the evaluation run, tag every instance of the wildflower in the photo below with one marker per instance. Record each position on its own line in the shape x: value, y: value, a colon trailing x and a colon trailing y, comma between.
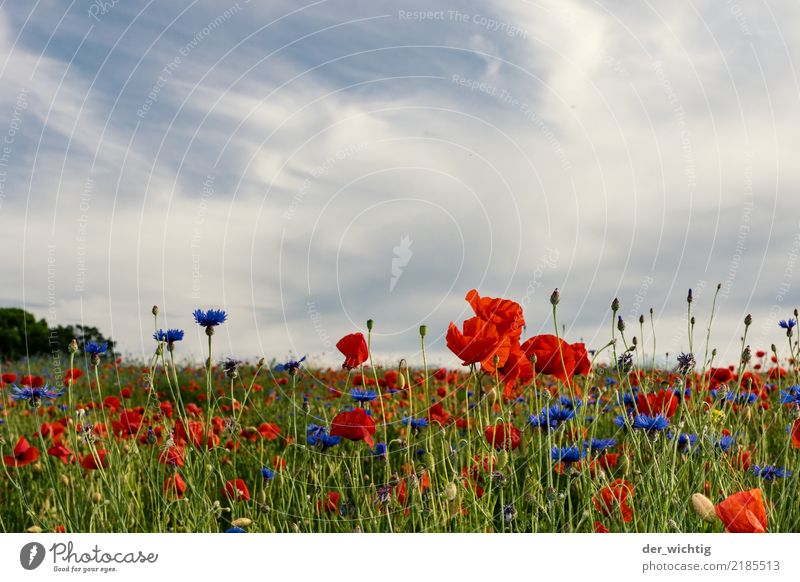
x: 292, y: 366
x: 477, y: 341
x: 379, y: 451
x: 509, y: 513
x: 567, y: 455
x: 34, y: 396
x: 267, y: 474
x: 236, y: 490
x: 724, y: 443
x: 598, y: 445
x: 502, y: 436
x: 23, y: 454
x: 354, y: 348
x: 209, y: 319
x: 686, y: 363
x: 650, y: 423
x: 743, y: 512
x: 169, y: 336
x: 174, y: 486
x: 788, y: 325
x: 771, y: 472
x: 95, y: 461
x: 355, y: 425
x: 554, y: 356
x: 318, y: 435
x: 362, y: 396
x: 686, y: 442
x: 415, y: 423
x: 235, y: 529
x: 625, y: 363
x: 231, y: 367
x: 614, y: 497
x: 551, y: 418
x: 96, y: 349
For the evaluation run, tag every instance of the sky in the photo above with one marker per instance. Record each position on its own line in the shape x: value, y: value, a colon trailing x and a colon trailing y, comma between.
x: 309, y: 166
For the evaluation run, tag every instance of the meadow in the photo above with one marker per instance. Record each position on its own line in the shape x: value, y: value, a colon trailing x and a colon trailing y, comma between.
x: 529, y: 435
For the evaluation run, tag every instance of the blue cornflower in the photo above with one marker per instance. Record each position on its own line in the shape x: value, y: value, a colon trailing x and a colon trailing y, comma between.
x: 725, y: 443
x: 569, y: 403
x: 210, y: 318
x: 95, y: 349
x: 267, y: 474
x: 551, y: 418
x: 291, y: 366
x: 169, y: 336
x: 686, y: 441
x: 650, y: 423
x: 743, y: 398
x: 362, y: 396
x: 379, y: 450
x: 787, y: 325
x: 34, y: 396
x: 791, y: 396
x: 567, y: 455
x: 600, y: 444
x: 318, y: 435
x: 771, y: 472
x: 415, y: 423
x: 235, y: 530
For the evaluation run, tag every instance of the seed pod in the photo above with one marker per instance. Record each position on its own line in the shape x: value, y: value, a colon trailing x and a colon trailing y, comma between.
x: 34, y: 529
x: 242, y: 522
x: 450, y: 491
x: 97, y: 498
x: 703, y: 507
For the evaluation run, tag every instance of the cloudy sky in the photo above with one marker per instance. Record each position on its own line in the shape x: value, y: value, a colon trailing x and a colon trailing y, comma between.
x: 307, y: 166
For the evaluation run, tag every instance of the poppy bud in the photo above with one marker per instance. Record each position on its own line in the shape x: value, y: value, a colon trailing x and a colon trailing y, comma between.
x: 689, y: 297
x: 401, y: 380
x: 692, y: 320
x: 703, y: 507
x: 37, y: 468
x: 501, y: 460
x: 155, y: 310
x: 242, y: 522
x: 615, y: 305
x: 620, y: 324
x: 261, y: 362
x: 450, y: 491
x: 748, y: 319
x: 641, y: 319
x: 64, y: 480
x: 97, y: 498
x: 34, y: 529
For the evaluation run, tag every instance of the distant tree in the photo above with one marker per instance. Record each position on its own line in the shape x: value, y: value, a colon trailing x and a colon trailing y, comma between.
x: 21, y: 334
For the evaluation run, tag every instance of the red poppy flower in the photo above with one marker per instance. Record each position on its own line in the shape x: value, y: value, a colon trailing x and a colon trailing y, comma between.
x: 355, y: 425
x: 354, y: 349
x: 24, y: 454
x: 269, y: 431
x: 502, y: 436
x: 72, y: 375
x: 32, y: 381
x: 478, y: 342
x: 174, y: 486
x: 554, y: 356
x: 61, y: 453
x: 743, y: 512
x: 599, y: 527
x: 236, y: 490
x: 8, y: 378
x: 517, y: 367
x: 796, y: 434
x: 172, y: 456
x: 437, y: 413
x: 128, y: 425
x: 583, y: 365
x: 506, y: 315
x: 330, y: 504
x: 614, y: 497
x: 91, y: 463
x: 662, y: 402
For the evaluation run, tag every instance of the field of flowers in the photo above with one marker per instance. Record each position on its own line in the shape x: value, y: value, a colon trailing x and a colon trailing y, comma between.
x: 531, y: 435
